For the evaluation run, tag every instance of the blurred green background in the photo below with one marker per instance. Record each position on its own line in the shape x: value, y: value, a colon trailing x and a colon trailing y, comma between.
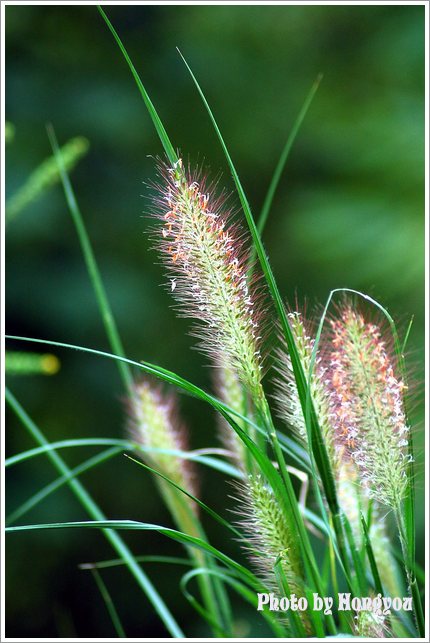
x: 349, y: 212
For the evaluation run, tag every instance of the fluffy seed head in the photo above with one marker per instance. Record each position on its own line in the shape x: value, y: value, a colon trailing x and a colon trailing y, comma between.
x: 231, y: 391
x: 288, y: 402
x: 367, y: 406
x: 154, y: 423
x: 270, y: 536
x: 208, y: 268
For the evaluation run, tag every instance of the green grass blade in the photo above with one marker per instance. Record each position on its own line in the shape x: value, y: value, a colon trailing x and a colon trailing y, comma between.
x: 91, y: 263
x: 267, y: 204
x: 168, y: 147
x: 109, y: 603
x: 162, y: 373
x: 357, y: 560
x: 203, y: 572
x: 63, y: 444
x: 134, y: 525
x: 371, y: 556
x: 408, y: 331
x: 213, y: 463
x: 95, y: 512
x: 59, y: 482
x: 241, y: 589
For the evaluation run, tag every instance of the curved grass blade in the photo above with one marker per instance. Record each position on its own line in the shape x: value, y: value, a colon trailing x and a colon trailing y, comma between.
x: 95, y: 512
x: 134, y: 525
x: 168, y: 147
x: 203, y: 572
x: 91, y: 263
x: 214, y: 463
x: 287, y: 445
x: 109, y: 603
x: 62, y: 480
x: 267, y: 204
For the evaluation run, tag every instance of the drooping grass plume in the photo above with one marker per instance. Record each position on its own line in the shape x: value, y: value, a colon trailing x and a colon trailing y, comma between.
x: 207, y: 262
x: 367, y: 406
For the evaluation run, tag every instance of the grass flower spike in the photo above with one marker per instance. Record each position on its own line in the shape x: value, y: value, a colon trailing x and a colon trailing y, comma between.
x: 231, y: 391
x: 287, y: 397
x: 368, y: 411
x: 154, y: 423
x: 270, y: 537
x: 208, y: 267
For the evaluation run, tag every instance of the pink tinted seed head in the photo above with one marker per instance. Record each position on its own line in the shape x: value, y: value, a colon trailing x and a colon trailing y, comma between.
x: 367, y: 407
x: 207, y: 265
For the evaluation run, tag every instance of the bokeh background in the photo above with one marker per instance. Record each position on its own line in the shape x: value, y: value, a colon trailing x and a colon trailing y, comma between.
x: 349, y: 212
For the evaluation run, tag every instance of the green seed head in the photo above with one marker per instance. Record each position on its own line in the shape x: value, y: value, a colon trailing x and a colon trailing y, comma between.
x: 154, y: 424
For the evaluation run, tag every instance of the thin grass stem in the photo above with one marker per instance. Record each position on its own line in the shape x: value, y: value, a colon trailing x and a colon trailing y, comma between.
x: 109, y: 603
x: 91, y: 264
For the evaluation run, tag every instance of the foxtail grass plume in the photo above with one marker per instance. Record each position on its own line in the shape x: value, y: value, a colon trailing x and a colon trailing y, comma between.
x: 352, y: 497
x: 287, y: 396
x: 154, y: 423
x: 231, y: 391
x: 367, y: 406
x: 207, y: 263
x: 269, y: 536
